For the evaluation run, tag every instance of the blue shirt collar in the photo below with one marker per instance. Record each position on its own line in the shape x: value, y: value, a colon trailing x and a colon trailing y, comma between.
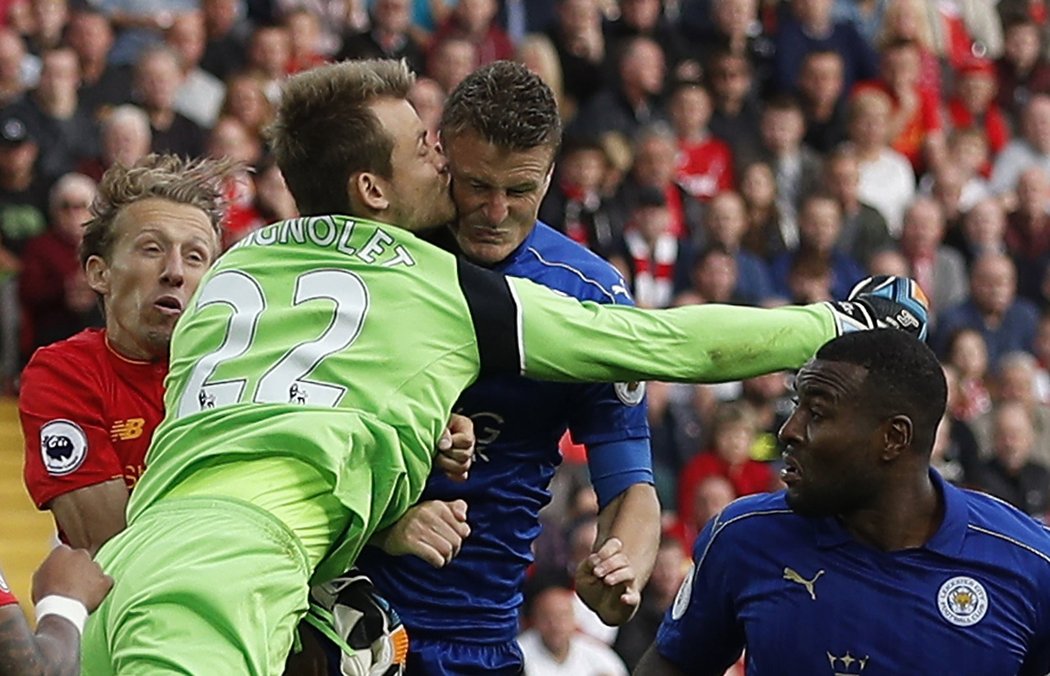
x: 948, y: 540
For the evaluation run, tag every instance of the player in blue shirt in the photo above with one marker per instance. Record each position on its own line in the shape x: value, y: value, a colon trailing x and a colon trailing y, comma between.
x: 501, y: 132
x: 869, y: 563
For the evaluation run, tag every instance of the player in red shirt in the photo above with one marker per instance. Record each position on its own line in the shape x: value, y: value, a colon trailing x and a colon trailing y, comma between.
x: 67, y: 586
x: 89, y: 404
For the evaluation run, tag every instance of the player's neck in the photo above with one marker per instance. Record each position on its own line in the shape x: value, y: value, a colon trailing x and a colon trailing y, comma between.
x: 904, y: 517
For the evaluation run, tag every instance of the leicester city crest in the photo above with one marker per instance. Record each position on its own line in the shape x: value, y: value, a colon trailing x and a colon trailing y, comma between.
x: 962, y: 601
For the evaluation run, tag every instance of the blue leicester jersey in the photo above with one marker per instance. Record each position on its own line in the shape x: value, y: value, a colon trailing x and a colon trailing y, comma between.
x: 805, y: 597
x: 518, y: 423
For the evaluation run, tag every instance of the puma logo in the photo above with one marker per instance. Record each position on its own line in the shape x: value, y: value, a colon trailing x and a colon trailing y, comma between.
x: 791, y: 576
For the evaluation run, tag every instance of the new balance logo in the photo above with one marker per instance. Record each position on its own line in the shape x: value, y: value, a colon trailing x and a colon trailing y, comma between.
x: 126, y: 430
x: 791, y: 576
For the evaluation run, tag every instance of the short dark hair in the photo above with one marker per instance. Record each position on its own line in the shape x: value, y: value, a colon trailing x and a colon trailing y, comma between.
x: 904, y: 377
x: 507, y: 105
x: 325, y: 130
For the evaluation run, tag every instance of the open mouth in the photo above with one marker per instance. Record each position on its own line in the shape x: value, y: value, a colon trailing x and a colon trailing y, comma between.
x: 790, y: 472
x: 169, y: 305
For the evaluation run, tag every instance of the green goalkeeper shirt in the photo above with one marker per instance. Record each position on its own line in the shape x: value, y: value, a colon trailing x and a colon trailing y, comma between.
x: 344, y: 343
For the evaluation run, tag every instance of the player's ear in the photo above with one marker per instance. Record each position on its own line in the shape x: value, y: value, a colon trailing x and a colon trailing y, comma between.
x: 897, y: 436
x: 368, y: 190
x: 97, y: 271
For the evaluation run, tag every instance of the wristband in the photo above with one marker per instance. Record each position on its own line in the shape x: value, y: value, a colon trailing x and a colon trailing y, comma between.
x: 63, y: 606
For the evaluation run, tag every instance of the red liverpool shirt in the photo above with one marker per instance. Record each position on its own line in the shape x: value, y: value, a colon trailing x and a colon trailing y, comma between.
x: 88, y: 415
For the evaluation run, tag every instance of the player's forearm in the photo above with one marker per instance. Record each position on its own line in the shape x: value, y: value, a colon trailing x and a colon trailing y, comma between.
x: 59, y: 644
x: 633, y: 517
x: 565, y: 340
x: 53, y: 651
x: 90, y: 516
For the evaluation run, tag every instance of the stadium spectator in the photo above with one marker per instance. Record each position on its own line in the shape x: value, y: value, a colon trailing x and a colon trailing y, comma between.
x: 796, y: 168
x: 859, y: 492
x: 308, y: 42
x: 1005, y: 322
x: 916, y: 128
x: 576, y: 33
x: 887, y: 181
x: 224, y: 51
x: 270, y: 57
x: 911, y: 21
x: 1022, y: 71
x: 645, y: 18
x: 246, y: 101
x: 200, y: 94
x: 733, y: 28
x: 820, y: 224
x: 102, y: 84
x: 63, y: 128
x: 634, y: 100
x: 705, y: 164
x: 450, y: 61
x: 725, y: 226
x: 56, y: 298
x: 864, y: 230
x: 552, y: 645
x: 23, y: 191
x: 736, y: 110
x: 536, y: 53
x: 13, y: 66
x: 1013, y: 474
x: 126, y: 139
x: 768, y: 233
x: 967, y: 356
x: 388, y: 36
x: 157, y: 82
x: 806, y: 26
x: 1031, y: 147
x: 973, y: 105
x: 1027, y: 235
x: 728, y: 455
x: 939, y: 270
x: 575, y: 205
x: 651, y: 258
x: 823, y: 100
x: 654, y: 169
x: 983, y: 231
x: 475, y: 22
x: 1014, y: 382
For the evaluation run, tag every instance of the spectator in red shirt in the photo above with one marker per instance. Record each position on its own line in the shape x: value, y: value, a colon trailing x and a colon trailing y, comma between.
x: 915, y: 126
x: 973, y: 106
x: 732, y: 435
x: 89, y: 404
x: 705, y: 163
x: 474, y: 21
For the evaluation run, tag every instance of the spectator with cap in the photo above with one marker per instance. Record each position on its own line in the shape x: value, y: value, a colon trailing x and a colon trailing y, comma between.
x: 23, y: 193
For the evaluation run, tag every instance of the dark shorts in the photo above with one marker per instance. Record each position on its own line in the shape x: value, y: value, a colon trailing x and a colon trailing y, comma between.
x: 429, y: 657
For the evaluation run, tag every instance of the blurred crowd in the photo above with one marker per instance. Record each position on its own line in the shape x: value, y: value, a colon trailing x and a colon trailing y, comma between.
x: 755, y: 152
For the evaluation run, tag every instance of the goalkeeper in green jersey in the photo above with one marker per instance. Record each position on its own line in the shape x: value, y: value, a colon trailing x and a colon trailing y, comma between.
x: 318, y: 362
